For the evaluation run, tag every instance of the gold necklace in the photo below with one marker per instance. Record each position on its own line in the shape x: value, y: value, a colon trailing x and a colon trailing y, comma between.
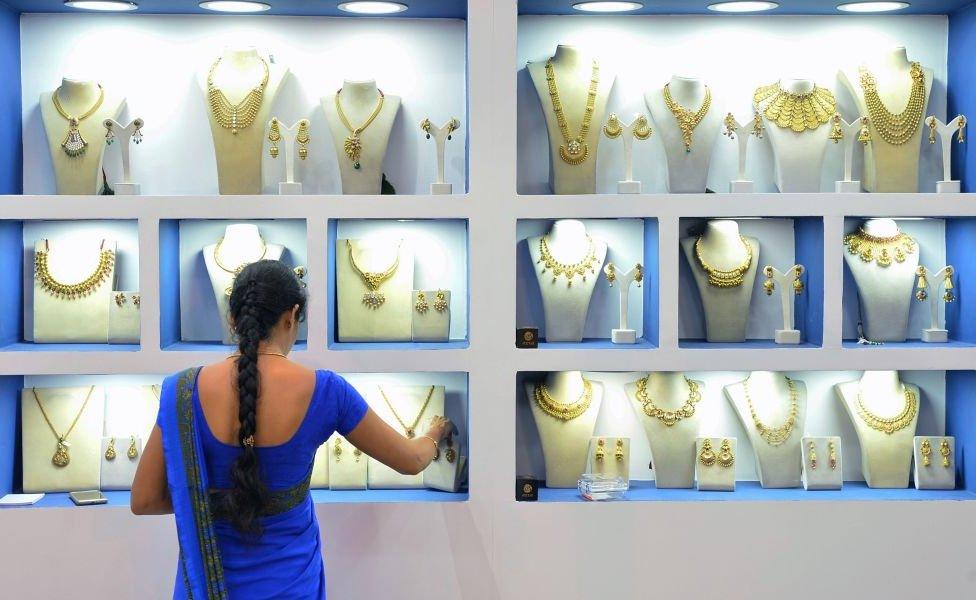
x: 373, y: 298
x: 61, y: 456
x: 409, y: 430
x: 353, y: 146
x: 563, y: 412
x: 236, y: 116
x: 687, y: 120
x: 896, y: 129
x: 889, y: 425
x: 236, y: 270
x: 880, y: 249
x: 725, y: 279
x: 72, y: 291
x: 238, y: 355
x: 73, y: 144
x: 573, y: 150
x: 798, y: 112
x: 668, y: 417
x: 569, y: 271
x: 774, y: 436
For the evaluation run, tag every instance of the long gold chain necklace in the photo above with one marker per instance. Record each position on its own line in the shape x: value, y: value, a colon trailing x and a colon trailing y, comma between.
x: 234, y: 272
x: 373, y: 298
x: 61, y: 456
x: 687, y: 120
x: 880, y: 249
x: 889, y: 425
x: 896, y: 129
x: 775, y: 436
x: 563, y: 412
x: 668, y: 417
x: 569, y: 271
x: 798, y: 112
x: 409, y: 430
x: 353, y: 146
x: 721, y: 278
x: 241, y: 115
x: 72, y: 291
x: 74, y: 144
x: 573, y: 150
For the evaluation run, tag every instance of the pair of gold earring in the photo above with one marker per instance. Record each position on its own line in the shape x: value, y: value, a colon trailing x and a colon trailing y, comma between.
x: 769, y: 285
x: 831, y: 455
x: 611, y: 272
x: 837, y: 132
x: 922, y: 294
x: 440, y: 302
x: 121, y: 299
x: 962, y: 130
x: 303, y: 138
x: 132, y: 452
x: 110, y: 132
x: 641, y: 129
x: 601, y: 450
x: 944, y: 450
x: 725, y: 458
x: 337, y: 450
x: 730, y: 126
x: 450, y: 455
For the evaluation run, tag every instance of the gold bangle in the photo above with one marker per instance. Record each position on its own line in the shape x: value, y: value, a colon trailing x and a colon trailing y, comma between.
x: 433, y: 441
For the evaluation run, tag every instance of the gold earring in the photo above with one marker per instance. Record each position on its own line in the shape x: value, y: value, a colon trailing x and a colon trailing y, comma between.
x: 110, y: 453
x: 836, y: 131
x: 725, y: 457
x: 337, y: 449
x: 921, y: 294
x: 962, y: 129
x: 440, y: 301
x: 706, y: 456
x: 945, y: 451
x: 109, y: 132
x: 797, y: 282
x: 813, y: 455
x: 619, y: 453
x: 357, y: 453
x: 120, y: 299
x: 931, y: 123
x: 757, y: 126
x: 639, y: 278
x: 948, y: 296
x: 831, y: 455
x: 864, y: 136
x: 451, y: 453
x: 132, y: 452
x: 274, y: 136
x: 136, y: 300
x: 137, y: 134
x: 611, y: 272
x: 642, y: 130
x: 729, y: 123
x: 769, y: 285
x: 612, y: 129
x: 421, y: 304
x: 303, y: 139
x: 598, y: 455
x: 926, y: 453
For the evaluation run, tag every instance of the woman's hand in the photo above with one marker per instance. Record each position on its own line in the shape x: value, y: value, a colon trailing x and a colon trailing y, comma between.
x: 439, y: 428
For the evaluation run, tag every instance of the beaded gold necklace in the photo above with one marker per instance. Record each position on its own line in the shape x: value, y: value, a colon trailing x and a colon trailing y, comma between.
x: 242, y: 114
x: 725, y: 278
x: 896, y: 129
x: 72, y: 291
x: 569, y: 271
x: 563, y: 412
x: 573, y: 150
x: 774, y: 436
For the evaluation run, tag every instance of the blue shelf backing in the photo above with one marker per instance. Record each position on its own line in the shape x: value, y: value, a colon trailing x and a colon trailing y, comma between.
x: 700, y: 7
x: 417, y: 9
x: 11, y: 148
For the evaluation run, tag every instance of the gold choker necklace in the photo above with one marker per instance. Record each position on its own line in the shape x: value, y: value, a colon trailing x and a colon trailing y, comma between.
x: 668, y: 417
x: 236, y: 116
x: 889, y: 425
x: 569, y: 271
x: 687, y: 120
x: 896, y: 129
x: 373, y: 298
x: 563, y: 412
x: 234, y: 272
x: 880, y: 249
x: 72, y: 291
x: 74, y: 145
x: 730, y: 278
x: 774, y: 436
x: 573, y: 150
x: 798, y: 112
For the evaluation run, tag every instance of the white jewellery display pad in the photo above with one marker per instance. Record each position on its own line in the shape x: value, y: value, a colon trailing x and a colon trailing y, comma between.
x: 432, y: 325
x: 443, y: 474
x: 797, y: 157
x: 715, y: 477
x: 937, y: 475
x: 823, y: 476
x: 625, y: 43
x: 347, y: 470
x: 153, y: 73
x: 615, y: 460
x: 118, y: 473
x: 407, y: 402
x: 320, y: 467
x: 124, y: 320
x: 40, y: 443
x: 130, y: 410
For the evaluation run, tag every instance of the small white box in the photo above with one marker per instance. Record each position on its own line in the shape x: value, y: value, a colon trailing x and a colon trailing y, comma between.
x: 787, y: 336
x: 628, y: 187
x: 947, y: 187
x: 623, y: 336
x: 441, y: 189
x: 742, y: 187
x: 935, y: 336
x: 292, y: 188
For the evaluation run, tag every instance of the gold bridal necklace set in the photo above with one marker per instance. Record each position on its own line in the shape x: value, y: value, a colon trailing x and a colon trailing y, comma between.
x: 725, y: 278
x: 242, y: 114
x: 774, y: 436
x: 372, y: 297
x: 574, y: 149
x: 666, y: 416
x: 889, y: 425
x: 880, y: 250
x: 567, y: 270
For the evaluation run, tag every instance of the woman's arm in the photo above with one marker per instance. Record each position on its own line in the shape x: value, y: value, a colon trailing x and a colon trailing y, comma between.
x: 150, y: 491
x: 405, y: 456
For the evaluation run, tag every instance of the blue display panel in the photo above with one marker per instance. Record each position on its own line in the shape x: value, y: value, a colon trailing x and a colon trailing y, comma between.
x: 11, y: 152
x: 416, y: 9
x: 961, y: 90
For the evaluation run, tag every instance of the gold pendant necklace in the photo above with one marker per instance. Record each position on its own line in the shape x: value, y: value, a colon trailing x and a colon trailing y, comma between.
x: 896, y: 129
x: 569, y: 271
x: 353, y: 146
x: 687, y: 120
x: 880, y: 249
x: 774, y: 436
x: 668, y: 417
x: 74, y: 144
x: 409, y: 430
x: 573, y: 150
x: 798, y: 112
x: 730, y: 278
x: 61, y: 456
x: 236, y: 116
x: 72, y: 291
x: 889, y: 425
x: 234, y: 272
x: 563, y: 412
x: 373, y: 298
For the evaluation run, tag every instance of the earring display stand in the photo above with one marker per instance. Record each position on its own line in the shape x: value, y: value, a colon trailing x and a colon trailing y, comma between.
x: 440, y: 135
x: 789, y: 334
x: 289, y: 187
x: 848, y: 185
x: 125, y: 134
x: 936, y: 333
x: 821, y: 470
x: 946, y: 132
x: 627, y: 133
x: 740, y: 133
x: 624, y: 334
x: 936, y: 475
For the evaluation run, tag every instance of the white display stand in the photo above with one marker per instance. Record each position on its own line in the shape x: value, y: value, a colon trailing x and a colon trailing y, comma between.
x: 612, y: 463
x: 125, y: 134
x: 432, y: 325
x: 740, y: 133
x: 936, y: 331
x: 441, y: 135
x: 624, y: 334
x: 936, y: 475
x: 851, y: 131
x: 124, y: 318
x: 118, y: 473
x: 289, y: 187
x: 130, y: 410
x: 393, y: 320
x: 446, y: 473
x: 797, y: 157
x: 946, y: 131
x: 408, y: 402
x: 627, y: 135
x: 885, y: 458
x: 349, y: 470
x: 714, y: 478
x: 320, y: 467
x: 823, y: 476
x: 783, y: 280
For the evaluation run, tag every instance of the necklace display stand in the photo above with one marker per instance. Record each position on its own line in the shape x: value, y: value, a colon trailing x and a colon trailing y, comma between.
x: 407, y: 401
x: 797, y: 157
x: 823, y: 465
x: 390, y: 322
x: 624, y: 334
x: 565, y: 443
x: 573, y: 71
x: 726, y: 309
x: 440, y: 135
x: 565, y: 307
x: 936, y: 332
x: 946, y: 131
x: 626, y: 133
x: 714, y: 477
x: 348, y: 470
x: 123, y: 134
x: 359, y: 99
x: 78, y: 175
x: 289, y: 187
x: 936, y: 475
x: 850, y: 130
x: 242, y: 244
x: 789, y: 334
x: 740, y: 133
x: 777, y: 466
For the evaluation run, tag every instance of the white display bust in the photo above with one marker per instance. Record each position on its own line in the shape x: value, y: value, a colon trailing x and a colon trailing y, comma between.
x: 393, y: 320
x: 573, y: 71
x: 889, y: 168
x: 242, y: 244
x: 672, y: 448
x: 359, y: 99
x: 886, y: 459
x: 884, y: 293
x: 726, y: 309
x: 79, y: 174
x: 565, y: 443
x: 777, y: 466
x: 239, y: 156
x: 687, y: 170
x: 797, y: 157
x: 566, y: 306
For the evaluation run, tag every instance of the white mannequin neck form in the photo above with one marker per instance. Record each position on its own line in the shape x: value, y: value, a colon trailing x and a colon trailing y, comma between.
x: 243, y: 241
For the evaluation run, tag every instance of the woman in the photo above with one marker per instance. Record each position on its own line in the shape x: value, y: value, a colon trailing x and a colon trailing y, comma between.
x: 232, y: 450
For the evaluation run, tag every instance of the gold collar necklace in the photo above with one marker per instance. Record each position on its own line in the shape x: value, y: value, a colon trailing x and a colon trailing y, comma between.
x: 798, y: 112
x: 72, y: 291
x: 353, y: 145
x: 880, y: 249
x: 730, y: 278
x: 896, y: 129
x: 241, y: 115
x: 889, y: 425
x: 74, y: 144
x: 563, y: 412
x: 668, y: 417
x: 774, y: 436
x: 687, y: 120
x: 569, y: 271
x: 234, y: 272
x: 573, y: 150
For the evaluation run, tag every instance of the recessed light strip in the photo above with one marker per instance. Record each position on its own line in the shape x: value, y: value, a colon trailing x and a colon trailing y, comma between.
x: 372, y: 8
x: 102, y: 5
x: 742, y: 7
x: 872, y: 7
x: 235, y: 6
x: 607, y: 7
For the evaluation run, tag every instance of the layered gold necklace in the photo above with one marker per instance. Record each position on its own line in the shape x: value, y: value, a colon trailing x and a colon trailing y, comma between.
x: 409, y: 430
x: 563, y: 412
x: 569, y: 271
x: 574, y: 149
x: 687, y: 120
x: 668, y: 417
x: 725, y: 278
x: 74, y: 144
x: 61, y: 456
x: 774, y: 436
x: 353, y: 145
x: 798, y: 112
x: 889, y: 425
x: 896, y: 129
x: 242, y: 114
x: 373, y: 298
x: 235, y: 271
x: 880, y: 249
x: 72, y: 291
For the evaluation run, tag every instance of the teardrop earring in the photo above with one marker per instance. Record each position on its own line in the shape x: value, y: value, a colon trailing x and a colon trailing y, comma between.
x: 110, y: 453
x: 706, y: 456
x: 832, y: 455
x: 962, y: 130
x: 611, y: 272
x: 109, y: 132
x: 612, y: 129
x: 132, y: 452
x: 137, y: 134
x: 945, y: 451
x: 729, y: 123
x: 926, y: 451
x: 619, y: 453
x: 639, y: 277
x: 725, y: 457
x: 426, y: 125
